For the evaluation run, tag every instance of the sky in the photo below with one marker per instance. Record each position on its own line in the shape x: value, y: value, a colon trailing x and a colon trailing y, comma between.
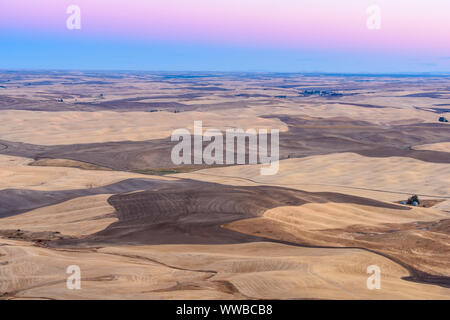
x: 343, y: 36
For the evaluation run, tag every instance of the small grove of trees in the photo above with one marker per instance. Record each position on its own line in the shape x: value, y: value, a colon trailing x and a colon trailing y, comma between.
x: 413, y: 199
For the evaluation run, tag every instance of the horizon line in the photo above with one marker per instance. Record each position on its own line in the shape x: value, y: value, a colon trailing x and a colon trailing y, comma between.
x: 363, y: 73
